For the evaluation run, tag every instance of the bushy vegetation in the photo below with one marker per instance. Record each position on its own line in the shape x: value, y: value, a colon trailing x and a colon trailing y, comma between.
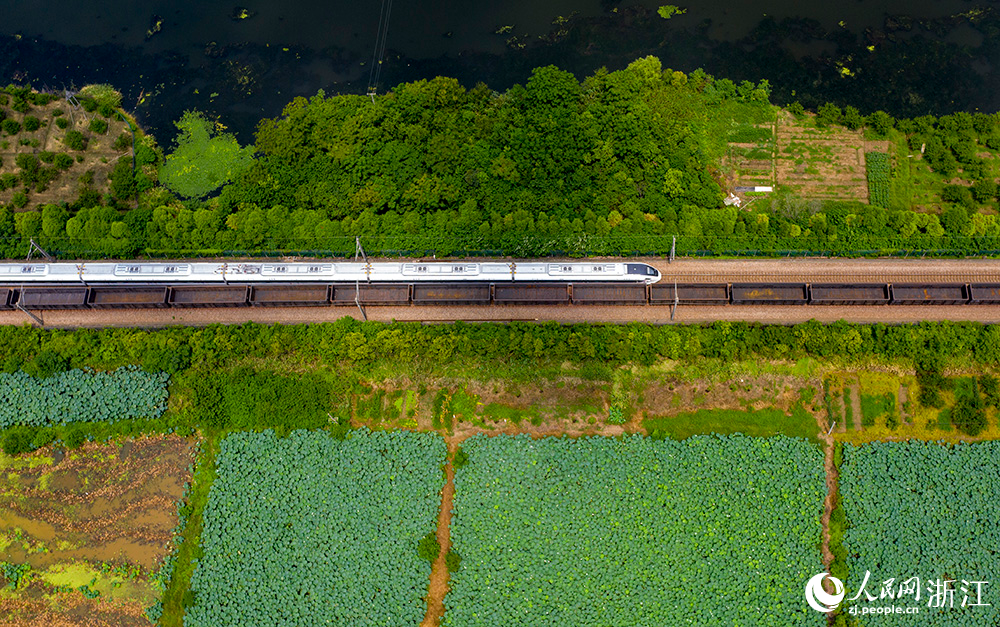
x: 237, y: 399
x: 925, y: 510
x: 618, y: 163
x: 309, y: 528
x: 634, y: 531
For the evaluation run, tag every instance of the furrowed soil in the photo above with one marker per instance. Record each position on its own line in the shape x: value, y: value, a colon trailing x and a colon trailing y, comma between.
x: 91, y: 523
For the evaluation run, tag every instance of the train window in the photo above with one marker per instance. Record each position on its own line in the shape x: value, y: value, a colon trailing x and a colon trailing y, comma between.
x: 421, y: 268
x: 280, y: 268
x: 27, y: 269
x: 598, y: 268
x: 567, y: 268
x: 132, y: 269
x: 459, y: 268
x: 314, y: 268
x: 170, y: 269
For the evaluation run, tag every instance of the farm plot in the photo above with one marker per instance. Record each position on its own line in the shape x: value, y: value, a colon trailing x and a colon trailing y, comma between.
x: 750, y: 154
x: 822, y: 163
x: 635, y: 531
x: 925, y: 510
x: 81, y: 531
x: 310, y: 530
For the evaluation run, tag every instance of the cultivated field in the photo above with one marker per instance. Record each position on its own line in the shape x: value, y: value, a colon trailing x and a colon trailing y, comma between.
x: 309, y: 530
x: 822, y: 163
x: 926, y: 510
x: 633, y: 531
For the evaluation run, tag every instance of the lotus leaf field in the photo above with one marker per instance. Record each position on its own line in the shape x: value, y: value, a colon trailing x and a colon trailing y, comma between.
x: 81, y: 395
x: 711, y: 530
x: 926, y: 510
x: 311, y: 530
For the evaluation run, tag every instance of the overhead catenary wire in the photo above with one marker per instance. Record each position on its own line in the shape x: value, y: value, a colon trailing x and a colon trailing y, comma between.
x: 378, y: 53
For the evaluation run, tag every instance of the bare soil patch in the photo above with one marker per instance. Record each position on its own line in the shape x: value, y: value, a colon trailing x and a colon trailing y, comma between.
x: 98, y: 517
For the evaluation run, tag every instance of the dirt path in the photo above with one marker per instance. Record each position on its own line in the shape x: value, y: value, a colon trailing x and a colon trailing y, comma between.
x: 439, y: 571
x: 857, y: 416
x: 831, y: 487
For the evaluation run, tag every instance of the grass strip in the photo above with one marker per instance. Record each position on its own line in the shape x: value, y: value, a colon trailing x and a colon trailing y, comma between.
x: 190, y: 548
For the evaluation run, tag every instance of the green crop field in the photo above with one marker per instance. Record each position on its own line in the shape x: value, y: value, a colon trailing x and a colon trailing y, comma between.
x: 310, y: 530
x: 926, y: 510
x: 633, y: 531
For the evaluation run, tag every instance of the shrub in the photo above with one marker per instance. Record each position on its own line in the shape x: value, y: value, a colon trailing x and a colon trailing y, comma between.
x: 31, y: 123
x: 75, y: 436
x: 106, y: 110
x: 47, y: 364
x: 957, y: 194
x: 123, y: 141
x: 89, y: 104
x: 98, y: 126
x: 63, y: 161
x: 984, y: 190
x: 57, y: 112
x: 17, y: 440
x: 828, y: 113
x: 880, y: 122
x: 796, y: 109
x: 102, y: 95
x: 29, y: 166
x: 453, y: 561
x: 20, y: 200
x: 40, y: 99
x: 7, y: 181
x: 429, y: 548
x: 11, y: 127
x: 20, y: 105
x: 46, y: 156
x: 852, y: 118
x: 62, y: 122
x: 968, y: 415
x: 75, y: 140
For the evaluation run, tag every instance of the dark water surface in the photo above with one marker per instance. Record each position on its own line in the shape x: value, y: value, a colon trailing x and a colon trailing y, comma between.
x: 909, y: 58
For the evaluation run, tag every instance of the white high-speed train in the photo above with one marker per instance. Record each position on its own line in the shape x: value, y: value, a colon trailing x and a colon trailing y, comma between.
x: 157, y: 272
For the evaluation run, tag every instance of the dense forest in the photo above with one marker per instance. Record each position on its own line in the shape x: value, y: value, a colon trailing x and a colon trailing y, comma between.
x: 619, y: 163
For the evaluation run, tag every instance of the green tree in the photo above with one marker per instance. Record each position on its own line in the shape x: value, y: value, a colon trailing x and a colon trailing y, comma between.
x: 880, y: 122
x: 852, y: 118
x: 828, y: 113
x: 204, y: 159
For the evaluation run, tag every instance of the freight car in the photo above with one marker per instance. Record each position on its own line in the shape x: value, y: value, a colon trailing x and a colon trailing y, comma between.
x: 119, y: 296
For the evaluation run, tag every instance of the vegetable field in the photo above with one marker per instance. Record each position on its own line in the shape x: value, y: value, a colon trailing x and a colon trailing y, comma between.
x: 633, y: 531
x: 877, y: 166
x: 81, y: 395
x: 310, y: 530
x: 926, y: 510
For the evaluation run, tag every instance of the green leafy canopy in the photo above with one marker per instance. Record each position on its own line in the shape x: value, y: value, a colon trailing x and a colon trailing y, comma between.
x: 204, y: 159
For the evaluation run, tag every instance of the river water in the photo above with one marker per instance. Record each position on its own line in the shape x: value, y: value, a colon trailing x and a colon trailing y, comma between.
x: 242, y: 63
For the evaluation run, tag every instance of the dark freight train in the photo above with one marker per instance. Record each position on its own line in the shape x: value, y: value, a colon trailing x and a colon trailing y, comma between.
x: 75, y: 296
